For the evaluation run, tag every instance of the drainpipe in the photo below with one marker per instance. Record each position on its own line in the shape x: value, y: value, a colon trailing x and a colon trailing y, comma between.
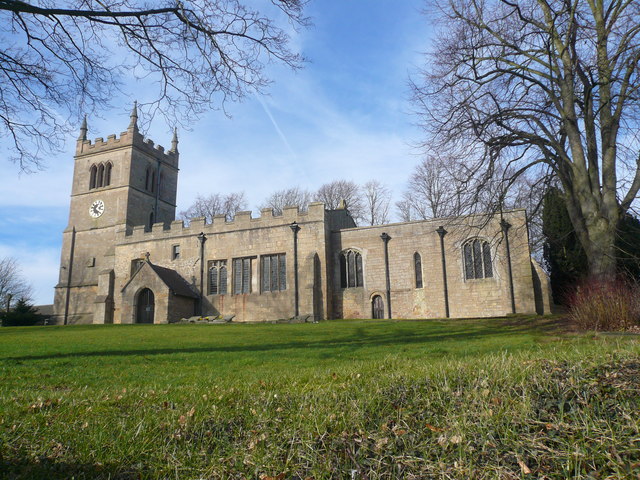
x: 505, y: 231
x: 295, y: 228
x: 69, y: 270
x: 157, y: 191
x: 442, y: 232
x: 385, y: 238
x: 202, y: 238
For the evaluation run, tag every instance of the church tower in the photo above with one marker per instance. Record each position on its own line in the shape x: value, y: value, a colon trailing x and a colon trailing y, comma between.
x: 117, y: 184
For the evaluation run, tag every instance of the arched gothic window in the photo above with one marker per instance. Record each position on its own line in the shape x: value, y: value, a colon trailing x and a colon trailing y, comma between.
x: 477, y: 259
x: 100, y: 176
x: 92, y: 176
x: 351, y: 269
x: 417, y: 264
x: 218, y: 277
x: 107, y: 174
x: 153, y: 182
x: 161, y: 185
x: 147, y: 179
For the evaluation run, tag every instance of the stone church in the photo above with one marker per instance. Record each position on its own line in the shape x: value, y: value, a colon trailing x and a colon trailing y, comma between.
x: 125, y: 259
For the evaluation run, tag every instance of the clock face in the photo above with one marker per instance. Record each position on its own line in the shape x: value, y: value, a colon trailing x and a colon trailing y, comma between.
x: 96, y: 209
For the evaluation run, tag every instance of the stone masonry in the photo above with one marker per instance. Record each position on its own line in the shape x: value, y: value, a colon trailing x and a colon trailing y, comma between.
x: 125, y: 259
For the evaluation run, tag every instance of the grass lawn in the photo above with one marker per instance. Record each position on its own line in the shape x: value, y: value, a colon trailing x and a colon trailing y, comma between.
x: 495, y: 399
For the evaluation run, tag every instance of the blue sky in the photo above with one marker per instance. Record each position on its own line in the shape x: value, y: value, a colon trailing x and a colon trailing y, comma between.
x: 346, y: 115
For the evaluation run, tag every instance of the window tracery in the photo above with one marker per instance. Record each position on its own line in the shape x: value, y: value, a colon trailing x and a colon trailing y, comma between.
x: 477, y: 259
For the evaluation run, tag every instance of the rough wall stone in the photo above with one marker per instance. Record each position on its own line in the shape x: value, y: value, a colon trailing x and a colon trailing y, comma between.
x: 109, y: 249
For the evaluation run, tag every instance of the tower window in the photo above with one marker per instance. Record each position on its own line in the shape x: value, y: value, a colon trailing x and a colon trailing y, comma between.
x: 100, y: 176
x: 136, y: 264
x: 150, y: 180
x: 92, y: 176
x: 477, y: 259
x: 175, y: 252
x: 107, y: 174
x: 151, y: 220
x: 218, y: 277
x: 417, y: 263
x: 351, y: 269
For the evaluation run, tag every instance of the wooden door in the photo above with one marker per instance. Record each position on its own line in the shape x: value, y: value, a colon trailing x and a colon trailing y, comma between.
x: 146, y: 307
x: 377, y: 307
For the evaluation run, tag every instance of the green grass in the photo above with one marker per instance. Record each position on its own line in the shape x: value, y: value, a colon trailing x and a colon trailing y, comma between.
x: 505, y: 398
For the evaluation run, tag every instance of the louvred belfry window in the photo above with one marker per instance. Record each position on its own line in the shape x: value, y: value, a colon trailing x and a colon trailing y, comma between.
x: 93, y: 172
x: 107, y: 174
x: 100, y: 176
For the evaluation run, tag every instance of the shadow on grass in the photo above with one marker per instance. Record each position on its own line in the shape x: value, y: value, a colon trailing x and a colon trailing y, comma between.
x: 361, y: 338
x: 29, y: 469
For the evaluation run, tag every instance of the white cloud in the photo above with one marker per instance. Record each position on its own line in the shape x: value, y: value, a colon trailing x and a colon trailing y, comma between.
x: 333, y: 120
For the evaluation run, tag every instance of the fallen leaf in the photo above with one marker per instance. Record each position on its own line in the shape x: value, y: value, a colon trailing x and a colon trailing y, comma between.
x: 182, y: 420
x: 434, y: 429
x: 381, y: 443
x: 523, y: 466
x: 191, y: 412
x: 277, y: 477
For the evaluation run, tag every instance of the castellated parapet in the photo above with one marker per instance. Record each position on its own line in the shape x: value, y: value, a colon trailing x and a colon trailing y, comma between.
x: 127, y: 139
x: 242, y: 221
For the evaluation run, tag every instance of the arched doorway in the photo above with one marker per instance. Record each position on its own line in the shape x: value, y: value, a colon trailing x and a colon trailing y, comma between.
x: 377, y: 307
x: 145, y: 306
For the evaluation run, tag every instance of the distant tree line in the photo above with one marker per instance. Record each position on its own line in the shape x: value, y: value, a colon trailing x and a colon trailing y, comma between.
x: 368, y: 204
x: 15, y: 296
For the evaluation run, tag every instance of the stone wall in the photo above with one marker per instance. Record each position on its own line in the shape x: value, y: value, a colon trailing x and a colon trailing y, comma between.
x: 467, y: 298
x: 125, y: 202
x: 243, y: 237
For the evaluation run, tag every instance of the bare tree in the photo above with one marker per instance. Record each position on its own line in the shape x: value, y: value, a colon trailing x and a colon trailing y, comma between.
x: 404, y: 210
x: 334, y: 192
x: 13, y: 286
x: 291, y: 197
x: 550, y: 87
x: 59, y: 60
x: 434, y: 190
x: 215, y: 204
x: 377, y: 198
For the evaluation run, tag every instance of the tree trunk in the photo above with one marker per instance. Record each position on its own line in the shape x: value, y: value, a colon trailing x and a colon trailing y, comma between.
x: 596, y: 232
x: 601, y: 250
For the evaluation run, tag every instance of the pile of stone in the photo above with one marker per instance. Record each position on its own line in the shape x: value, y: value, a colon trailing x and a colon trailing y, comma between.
x: 212, y: 319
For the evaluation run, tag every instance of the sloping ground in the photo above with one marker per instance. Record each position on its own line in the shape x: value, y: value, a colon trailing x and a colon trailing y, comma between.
x: 508, y: 398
